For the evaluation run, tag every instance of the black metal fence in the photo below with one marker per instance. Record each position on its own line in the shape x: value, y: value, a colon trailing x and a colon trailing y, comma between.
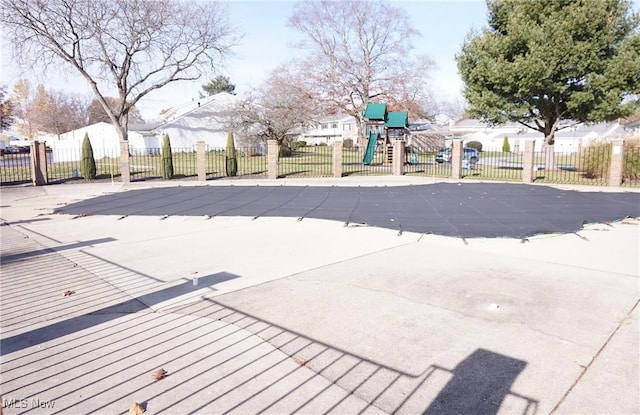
x: 308, y: 161
x: 493, y: 164
x: 251, y: 161
x: 631, y: 164
x: 146, y: 164
x: 589, y: 165
x: 63, y: 164
x: 15, y: 168
x: 422, y: 162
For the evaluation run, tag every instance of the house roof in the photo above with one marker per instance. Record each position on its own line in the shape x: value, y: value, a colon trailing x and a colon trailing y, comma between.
x: 397, y: 119
x: 222, y: 99
x: 375, y: 112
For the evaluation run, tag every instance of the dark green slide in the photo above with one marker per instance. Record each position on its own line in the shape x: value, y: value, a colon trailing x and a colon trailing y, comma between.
x: 371, y: 148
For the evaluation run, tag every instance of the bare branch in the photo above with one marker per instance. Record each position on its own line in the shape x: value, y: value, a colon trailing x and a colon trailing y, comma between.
x: 134, y: 46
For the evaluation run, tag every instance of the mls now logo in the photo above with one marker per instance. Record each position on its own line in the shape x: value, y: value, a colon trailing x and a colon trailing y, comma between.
x: 13, y: 403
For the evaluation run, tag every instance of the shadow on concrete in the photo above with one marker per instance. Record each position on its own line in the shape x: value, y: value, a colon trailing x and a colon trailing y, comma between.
x: 29, y: 254
x: 141, y: 303
x: 23, y: 221
x: 479, y: 385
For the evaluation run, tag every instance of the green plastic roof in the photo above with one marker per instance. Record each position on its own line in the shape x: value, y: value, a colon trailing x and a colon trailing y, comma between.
x: 375, y: 112
x: 397, y: 119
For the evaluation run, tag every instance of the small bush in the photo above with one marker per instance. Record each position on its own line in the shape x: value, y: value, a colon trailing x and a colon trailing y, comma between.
x: 231, y: 161
x: 88, y: 162
x: 631, y: 169
x: 595, y: 159
x: 347, y: 143
x: 167, y: 158
x: 298, y: 144
x: 475, y: 144
x: 323, y: 144
x: 285, y: 151
x: 506, y: 148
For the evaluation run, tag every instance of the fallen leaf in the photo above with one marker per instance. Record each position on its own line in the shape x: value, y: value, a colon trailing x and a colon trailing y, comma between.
x: 68, y: 293
x: 136, y: 409
x: 300, y: 362
x: 160, y: 374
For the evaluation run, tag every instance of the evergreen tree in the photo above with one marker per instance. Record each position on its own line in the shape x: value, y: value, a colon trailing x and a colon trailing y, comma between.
x: 230, y: 157
x: 167, y: 158
x: 87, y: 162
x: 506, y: 148
x: 543, y: 61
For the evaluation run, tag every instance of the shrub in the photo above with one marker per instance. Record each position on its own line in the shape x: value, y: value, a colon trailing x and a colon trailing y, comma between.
x: 631, y: 167
x: 475, y: 144
x: 506, y: 148
x: 323, y: 144
x: 87, y: 163
x: 285, y: 151
x: 347, y: 143
x: 298, y: 144
x: 231, y: 164
x: 595, y: 159
x: 167, y: 158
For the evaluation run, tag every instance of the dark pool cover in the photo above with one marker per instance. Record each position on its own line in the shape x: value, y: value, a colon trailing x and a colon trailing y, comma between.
x: 465, y: 210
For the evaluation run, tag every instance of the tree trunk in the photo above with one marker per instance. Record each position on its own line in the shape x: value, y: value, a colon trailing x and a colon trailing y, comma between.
x: 548, y: 149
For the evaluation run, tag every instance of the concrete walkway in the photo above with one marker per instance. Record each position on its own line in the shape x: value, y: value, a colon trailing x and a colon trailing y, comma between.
x: 280, y: 316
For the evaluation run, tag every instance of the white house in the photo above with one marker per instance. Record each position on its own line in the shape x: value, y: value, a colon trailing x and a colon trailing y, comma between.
x: 202, y: 120
x: 328, y: 130
x: 567, y: 140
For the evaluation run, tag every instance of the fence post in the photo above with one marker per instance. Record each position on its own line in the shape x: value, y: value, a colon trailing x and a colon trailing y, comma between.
x: 125, y: 172
x: 337, y: 159
x: 456, y: 159
x: 616, y: 166
x: 397, y: 165
x: 39, y: 163
x: 201, y: 161
x: 272, y: 159
x: 528, y: 161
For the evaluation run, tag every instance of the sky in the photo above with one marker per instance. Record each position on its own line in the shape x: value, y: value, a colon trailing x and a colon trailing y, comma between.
x: 266, y: 44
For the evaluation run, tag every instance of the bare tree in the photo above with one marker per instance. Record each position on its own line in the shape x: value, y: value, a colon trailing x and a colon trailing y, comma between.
x: 132, y: 46
x: 45, y: 111
x: 359, y: 51
x: 96, y: 112
x: 276, y: 110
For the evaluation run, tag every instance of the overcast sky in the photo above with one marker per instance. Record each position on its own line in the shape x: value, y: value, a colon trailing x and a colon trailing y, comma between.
x: 443, y: 25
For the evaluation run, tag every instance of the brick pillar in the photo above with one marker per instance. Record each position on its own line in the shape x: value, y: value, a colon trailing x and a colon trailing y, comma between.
x: 456, y: 160
x: 528, y: 161
x: 617, y: 162
x: 201, y: 161
x: 125, y: 171
x: 337, y: 159
x: 397, y: 164
x: 39, y: 163
x: 272, y: 159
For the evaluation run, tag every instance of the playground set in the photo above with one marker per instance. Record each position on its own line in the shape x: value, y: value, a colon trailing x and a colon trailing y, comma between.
x: 384, y: 127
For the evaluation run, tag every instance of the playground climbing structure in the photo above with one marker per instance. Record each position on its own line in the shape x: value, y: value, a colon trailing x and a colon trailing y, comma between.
x: 383, y: 127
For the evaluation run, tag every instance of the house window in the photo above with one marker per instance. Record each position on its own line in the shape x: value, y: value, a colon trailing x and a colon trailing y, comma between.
x: 325, y: 126
x: 334, y: 125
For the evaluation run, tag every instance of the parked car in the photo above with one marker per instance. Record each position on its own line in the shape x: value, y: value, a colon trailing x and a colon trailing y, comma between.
x: 11, y: 150
x: 469, y: 155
